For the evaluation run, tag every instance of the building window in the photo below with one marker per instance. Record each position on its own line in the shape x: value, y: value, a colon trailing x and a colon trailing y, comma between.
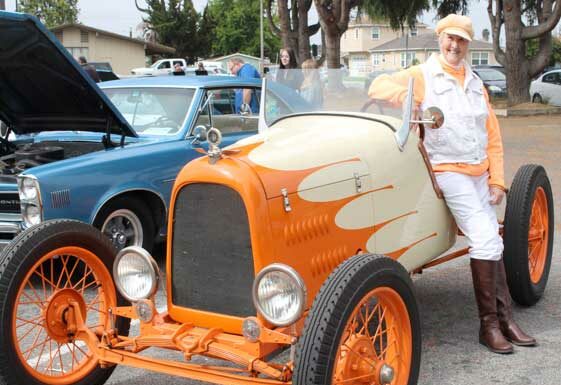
x: 375, y: 33
x: 478, y: 58
x: 356, y: 33
x: 76, y: 52
x: 376, y: 59
x: 84, y: 37
x: 413, y: 32
x: 58, y: 35
x: 406, y: 59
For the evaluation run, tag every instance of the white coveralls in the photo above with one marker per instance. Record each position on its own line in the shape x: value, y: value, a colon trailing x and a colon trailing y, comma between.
x: 462, y: 139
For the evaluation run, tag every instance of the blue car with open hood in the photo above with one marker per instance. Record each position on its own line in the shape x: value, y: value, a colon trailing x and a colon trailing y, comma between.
x: 106, y: 156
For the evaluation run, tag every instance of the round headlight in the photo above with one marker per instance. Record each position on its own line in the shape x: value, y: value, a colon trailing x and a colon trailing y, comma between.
x: 279, y: 294
x: 28, y: 189
x: 31, y: 215
x: 136, y: 273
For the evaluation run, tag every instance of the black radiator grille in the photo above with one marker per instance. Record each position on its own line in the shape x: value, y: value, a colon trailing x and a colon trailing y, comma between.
x: 212, y: 260
x: 9, y: 203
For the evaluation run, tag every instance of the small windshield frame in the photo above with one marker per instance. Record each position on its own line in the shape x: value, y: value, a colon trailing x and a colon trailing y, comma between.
x: 316, y: 91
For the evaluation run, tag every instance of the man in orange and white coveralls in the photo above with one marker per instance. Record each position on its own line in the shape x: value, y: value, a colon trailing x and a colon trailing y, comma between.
x: 466, y: 154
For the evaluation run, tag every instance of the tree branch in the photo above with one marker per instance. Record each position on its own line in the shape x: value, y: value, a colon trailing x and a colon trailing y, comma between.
x: 313, y: 29
x: 138, y: 7
x: 496, y: 23
x: 538, y: 62
x: 538, y: 30
x: 274, y: 28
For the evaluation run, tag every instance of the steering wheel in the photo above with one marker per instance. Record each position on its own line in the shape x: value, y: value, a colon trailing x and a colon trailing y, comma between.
x: 379, y: 103
x: 164, y: 121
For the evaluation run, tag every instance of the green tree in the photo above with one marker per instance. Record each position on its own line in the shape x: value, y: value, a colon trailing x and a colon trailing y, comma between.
x: 237, y: 28
x: 52, y: 12
x: 175, y: 23
x: 521, y: 21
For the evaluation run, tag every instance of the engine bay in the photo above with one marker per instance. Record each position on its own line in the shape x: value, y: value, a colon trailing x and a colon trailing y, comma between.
x: 18, y: 158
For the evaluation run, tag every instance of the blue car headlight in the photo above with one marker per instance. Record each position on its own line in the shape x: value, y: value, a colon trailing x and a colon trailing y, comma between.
x: 30, y: 200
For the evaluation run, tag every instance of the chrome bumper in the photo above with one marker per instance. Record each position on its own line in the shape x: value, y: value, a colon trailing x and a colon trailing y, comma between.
x: 10, y: 226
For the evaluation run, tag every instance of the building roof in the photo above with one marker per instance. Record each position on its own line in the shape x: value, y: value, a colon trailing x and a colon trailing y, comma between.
x: 234, y: 54
x: 424, y: 42
x: 151, y: 48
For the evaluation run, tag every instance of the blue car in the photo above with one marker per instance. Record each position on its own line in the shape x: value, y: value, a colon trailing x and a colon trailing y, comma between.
x: 106, y: 156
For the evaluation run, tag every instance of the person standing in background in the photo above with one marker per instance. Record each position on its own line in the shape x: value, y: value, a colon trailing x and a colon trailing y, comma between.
x: 90, y: 69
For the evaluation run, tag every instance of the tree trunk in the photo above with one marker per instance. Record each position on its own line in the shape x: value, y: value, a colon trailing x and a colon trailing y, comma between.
x: 517, y: 69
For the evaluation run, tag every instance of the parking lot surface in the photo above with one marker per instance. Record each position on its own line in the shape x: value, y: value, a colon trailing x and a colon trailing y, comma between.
x: 451, y: 353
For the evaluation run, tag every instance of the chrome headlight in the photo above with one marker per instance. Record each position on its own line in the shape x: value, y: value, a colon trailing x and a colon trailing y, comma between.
x: 30, y: 200
x: 136, y: 273
x: 494, y: 89
x: 279, y: 294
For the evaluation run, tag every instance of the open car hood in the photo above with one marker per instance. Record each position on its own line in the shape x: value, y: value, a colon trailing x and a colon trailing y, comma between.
x: 42, y: 87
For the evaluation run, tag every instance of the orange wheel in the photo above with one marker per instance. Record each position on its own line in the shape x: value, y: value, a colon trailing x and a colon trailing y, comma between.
x: 528, y: 234
x: 538, y: 236
x: 53, y: 265
x: 363, y: 327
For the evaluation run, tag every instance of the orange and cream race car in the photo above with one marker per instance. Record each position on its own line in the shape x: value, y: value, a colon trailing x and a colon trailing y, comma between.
x: 299, y: 240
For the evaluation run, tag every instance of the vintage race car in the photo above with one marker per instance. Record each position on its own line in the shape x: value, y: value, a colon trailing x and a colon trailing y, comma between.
x: 298, y: 240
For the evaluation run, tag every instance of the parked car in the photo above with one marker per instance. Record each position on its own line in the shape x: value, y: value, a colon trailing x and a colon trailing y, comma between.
x: 106, y: 158
x: 104, y: 71
x: 494, y: 80
x: 547, y: 88
x: 161, y: 67
x: 298, y: 239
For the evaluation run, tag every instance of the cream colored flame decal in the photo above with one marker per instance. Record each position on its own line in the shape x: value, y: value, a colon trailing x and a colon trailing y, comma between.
x: 350, y: 215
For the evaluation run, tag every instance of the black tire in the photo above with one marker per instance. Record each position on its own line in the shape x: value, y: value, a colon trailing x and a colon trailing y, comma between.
x: 17, y: 262
x: 530, y: 190
x: 537, y: 99
x: 132, y: 220
x: 318, y: 354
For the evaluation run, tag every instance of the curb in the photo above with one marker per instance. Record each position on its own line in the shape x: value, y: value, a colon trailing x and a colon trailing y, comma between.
x: 505, y: 112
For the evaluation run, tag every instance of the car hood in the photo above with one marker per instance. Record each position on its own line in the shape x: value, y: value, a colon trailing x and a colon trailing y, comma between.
x: 42, y: 87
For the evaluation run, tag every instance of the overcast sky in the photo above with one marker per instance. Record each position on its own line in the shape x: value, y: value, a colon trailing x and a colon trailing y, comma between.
x: 121, y: 16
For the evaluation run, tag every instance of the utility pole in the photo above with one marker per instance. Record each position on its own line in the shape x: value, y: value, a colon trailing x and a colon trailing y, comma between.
x: 261, y: 37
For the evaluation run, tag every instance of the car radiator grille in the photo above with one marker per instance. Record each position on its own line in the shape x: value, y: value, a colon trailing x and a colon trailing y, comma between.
x: 212, y: 259
x: 9, y: 203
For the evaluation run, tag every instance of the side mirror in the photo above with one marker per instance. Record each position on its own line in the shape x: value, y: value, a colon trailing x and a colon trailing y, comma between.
x: 434, y: 116
x: 200, y: 134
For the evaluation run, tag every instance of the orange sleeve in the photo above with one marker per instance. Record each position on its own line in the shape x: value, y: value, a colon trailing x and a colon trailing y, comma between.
x: 494, y: 149
x: 393, y: 88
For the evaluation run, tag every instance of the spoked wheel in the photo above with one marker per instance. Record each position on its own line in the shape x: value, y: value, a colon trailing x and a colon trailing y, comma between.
x: 363, y: 327
x: 47, y: 269
x: 528, y: 234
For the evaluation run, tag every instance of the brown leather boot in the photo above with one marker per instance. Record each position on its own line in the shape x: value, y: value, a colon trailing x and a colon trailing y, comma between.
x: 509, y: 328
x: 484, y: 275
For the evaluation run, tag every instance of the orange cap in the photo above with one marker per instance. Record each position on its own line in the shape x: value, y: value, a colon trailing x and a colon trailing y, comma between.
x: 456, y: 25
